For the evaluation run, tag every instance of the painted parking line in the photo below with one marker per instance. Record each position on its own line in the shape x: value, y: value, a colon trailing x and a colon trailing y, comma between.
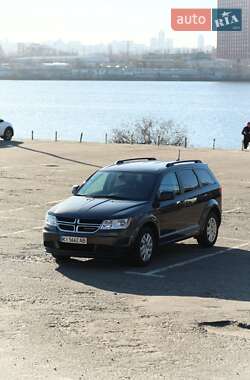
x: 52, y: 202
x: 21, y: 232
x: 232, y: 210
x: 20, y: 219
x: 12, y: 210
x: 156, y: 272
x: 233, y: 239
x: 30, y: 206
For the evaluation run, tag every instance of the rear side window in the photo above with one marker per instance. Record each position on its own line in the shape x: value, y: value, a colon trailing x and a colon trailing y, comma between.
x: 188, y: 180
x: 205, y: 177
x: 169, y: 183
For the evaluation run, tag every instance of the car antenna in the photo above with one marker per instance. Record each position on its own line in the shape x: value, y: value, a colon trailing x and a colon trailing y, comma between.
x: 179, y: 156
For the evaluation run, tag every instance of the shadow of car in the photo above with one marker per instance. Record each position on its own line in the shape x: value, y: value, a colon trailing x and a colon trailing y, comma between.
x: 223, y: 276
x: 10, y: 144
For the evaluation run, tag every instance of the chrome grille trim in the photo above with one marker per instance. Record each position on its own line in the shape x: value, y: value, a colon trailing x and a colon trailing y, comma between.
x: 66, y: 220
x: 77, y: 227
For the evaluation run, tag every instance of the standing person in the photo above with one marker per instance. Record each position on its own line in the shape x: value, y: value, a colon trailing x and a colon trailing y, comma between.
x: 246, y: 134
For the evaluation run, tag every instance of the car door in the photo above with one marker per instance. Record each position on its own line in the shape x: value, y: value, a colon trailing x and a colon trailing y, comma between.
x: 209, y: 188
x: 169, y: 212
x: 191, y: 209
x: 2, y: 127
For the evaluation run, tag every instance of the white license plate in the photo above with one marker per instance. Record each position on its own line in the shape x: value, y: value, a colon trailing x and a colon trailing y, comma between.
x: 74, y: 240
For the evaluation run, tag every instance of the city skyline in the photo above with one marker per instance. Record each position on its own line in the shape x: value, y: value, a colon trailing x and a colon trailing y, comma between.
x: 95, y: 22
x: 159, y: 43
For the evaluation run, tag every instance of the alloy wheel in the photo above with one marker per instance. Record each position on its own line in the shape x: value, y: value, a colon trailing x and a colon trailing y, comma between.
x: 146, y: 247
x: 211, y: 229
x: 8, y: 134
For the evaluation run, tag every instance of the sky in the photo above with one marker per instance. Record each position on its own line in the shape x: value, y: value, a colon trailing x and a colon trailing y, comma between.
x: 95, y: 21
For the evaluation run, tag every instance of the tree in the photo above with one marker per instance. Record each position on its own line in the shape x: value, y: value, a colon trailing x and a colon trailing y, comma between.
x: 149, y: 131
x: 121, y: 136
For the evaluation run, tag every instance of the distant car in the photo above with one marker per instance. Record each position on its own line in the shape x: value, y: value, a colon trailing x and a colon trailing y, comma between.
x: 133, y: 206
x: 6, y: 130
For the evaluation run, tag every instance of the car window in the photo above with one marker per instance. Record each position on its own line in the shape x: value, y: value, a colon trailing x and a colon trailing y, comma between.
x: 205, y: 177
x: 188, y: 179
x: 169, y: 183
x: 96, y: 183
x: 119, y: 185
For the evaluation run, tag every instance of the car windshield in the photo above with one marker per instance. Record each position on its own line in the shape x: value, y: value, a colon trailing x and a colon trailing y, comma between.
x: 119, y: 185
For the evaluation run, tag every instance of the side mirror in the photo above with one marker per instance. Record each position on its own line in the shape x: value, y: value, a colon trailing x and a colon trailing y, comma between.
x: 75, y: 189
x: 166, y: 196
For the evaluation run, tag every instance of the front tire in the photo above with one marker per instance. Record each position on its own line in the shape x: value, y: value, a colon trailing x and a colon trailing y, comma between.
x: 8, y: 134
x: 144, y: 247
x: 209, y: 235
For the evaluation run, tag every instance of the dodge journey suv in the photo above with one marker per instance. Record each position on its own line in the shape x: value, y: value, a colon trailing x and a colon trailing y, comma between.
x: 133, y: 206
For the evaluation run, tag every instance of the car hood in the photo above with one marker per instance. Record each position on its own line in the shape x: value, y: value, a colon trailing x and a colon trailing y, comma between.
x: 7, y: 124
x: 92, y: 208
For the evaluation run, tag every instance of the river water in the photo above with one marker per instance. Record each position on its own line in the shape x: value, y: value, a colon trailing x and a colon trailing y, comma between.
x: 207, y: 110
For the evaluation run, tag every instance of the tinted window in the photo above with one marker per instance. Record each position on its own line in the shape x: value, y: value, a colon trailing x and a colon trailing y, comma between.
x: 170, y: 183
x: 188, y: 180
x: 205, y: 177
x: 95, y: 184
x: 119, y: 185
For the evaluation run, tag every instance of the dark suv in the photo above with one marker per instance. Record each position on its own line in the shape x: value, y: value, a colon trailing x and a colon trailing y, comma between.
x: 133, y: 206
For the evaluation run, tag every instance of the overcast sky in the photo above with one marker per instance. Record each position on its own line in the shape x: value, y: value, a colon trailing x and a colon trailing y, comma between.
x: 94, y: 21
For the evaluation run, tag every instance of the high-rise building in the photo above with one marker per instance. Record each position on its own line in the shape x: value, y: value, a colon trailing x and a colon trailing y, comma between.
x: 235, y: 45
x: 161, y: 41
x: 200, y: 42
x: 161, y: 44
x: 169, y: 45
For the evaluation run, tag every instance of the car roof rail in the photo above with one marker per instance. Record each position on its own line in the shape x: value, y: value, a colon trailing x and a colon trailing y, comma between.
x: 183, y: 162
x: 120, y: 162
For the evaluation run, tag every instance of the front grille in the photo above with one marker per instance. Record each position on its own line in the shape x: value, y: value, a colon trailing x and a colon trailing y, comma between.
x: 78, y: 225
x: 87, y: 228
x: 61, y: 219
x: 66, y: 227
x: 90, y: 221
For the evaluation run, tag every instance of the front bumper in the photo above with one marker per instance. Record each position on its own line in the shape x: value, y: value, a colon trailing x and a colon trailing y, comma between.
x: 101, y: 244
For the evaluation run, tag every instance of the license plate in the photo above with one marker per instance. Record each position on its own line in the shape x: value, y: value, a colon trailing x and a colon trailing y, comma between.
x: 74, y: 240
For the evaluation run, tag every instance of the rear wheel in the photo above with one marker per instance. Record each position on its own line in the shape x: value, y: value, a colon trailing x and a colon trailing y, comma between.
x: 144, y: 247
x: 209, y: 235
x: 8, y: 134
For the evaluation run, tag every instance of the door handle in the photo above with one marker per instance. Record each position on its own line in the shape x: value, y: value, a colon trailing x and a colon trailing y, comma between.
x: 190, y: 202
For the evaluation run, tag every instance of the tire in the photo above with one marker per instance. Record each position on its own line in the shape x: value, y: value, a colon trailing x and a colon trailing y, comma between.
x: 8, y: 134
x: 209, y: 235
x: 144, y: 247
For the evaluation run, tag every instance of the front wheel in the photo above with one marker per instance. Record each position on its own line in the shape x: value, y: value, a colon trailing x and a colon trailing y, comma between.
x: 8, y: 134
x: 144, y: 247
x: 209, y: 235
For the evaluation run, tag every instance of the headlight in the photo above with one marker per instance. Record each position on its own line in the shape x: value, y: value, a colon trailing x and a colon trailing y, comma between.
x: 51, y: 220
x: 115, y: 224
